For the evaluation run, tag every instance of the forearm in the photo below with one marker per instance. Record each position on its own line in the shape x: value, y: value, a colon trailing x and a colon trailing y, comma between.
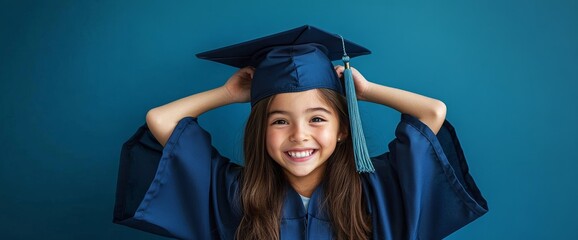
x: 430, y: 111
x: 163, y: 119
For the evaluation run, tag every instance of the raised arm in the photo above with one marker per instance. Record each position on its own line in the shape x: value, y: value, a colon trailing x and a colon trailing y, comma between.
x: 431, y: 112
x: 162, y: 120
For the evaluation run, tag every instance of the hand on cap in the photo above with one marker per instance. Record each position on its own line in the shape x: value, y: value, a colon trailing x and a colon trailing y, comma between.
x: 361, y: 84
x: 239, y: 84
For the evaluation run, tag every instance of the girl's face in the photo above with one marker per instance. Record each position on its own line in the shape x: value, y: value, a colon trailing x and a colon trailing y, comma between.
x: 302, y: 132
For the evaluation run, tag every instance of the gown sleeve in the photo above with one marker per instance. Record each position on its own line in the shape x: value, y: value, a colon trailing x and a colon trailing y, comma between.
x: 439, y: 194
x: 183, y: 190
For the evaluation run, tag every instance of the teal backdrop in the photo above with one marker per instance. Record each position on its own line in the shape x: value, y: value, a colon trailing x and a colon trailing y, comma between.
x: 77, y: 78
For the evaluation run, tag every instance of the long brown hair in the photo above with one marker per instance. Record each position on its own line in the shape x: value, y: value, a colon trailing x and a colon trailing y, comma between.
x: 263, y: 181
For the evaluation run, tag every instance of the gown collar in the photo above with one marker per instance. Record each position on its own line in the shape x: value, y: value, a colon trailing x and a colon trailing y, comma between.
x: 293, y: 205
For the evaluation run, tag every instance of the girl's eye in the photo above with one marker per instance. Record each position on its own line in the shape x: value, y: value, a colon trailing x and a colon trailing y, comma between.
x: 280, y: 121
x: 317, y: 119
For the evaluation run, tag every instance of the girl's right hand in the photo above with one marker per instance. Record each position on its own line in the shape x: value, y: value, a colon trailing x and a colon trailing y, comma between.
x: 239, y: 84
x: 361, y: 84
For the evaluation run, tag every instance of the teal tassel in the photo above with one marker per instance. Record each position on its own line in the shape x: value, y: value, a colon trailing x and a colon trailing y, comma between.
x: 362, y: 160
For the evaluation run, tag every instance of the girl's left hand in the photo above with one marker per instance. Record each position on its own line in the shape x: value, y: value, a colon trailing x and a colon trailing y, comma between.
x: 361, y: 84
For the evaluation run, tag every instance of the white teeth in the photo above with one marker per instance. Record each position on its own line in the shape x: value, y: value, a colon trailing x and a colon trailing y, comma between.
x: 300, y: 154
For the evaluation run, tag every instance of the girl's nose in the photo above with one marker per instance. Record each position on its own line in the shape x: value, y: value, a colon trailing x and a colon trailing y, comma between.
x: 299, y: 134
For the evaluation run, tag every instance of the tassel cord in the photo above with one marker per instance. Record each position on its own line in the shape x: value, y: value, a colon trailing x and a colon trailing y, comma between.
x: 362, y: 159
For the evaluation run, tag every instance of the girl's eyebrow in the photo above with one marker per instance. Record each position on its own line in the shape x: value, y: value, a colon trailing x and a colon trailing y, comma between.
x: 308, y: 110
x: 318, y: 109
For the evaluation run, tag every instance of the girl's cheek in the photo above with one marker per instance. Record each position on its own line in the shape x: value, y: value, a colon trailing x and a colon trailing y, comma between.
x: 273, y: 137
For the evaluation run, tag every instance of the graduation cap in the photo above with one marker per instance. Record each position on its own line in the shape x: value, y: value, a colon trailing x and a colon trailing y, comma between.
x: 299, y: 60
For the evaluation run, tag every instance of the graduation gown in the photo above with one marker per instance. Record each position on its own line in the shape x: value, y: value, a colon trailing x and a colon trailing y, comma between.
x: 421, y: 188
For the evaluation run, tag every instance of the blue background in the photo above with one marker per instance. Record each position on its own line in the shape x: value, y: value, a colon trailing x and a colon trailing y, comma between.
x: 77, y: 78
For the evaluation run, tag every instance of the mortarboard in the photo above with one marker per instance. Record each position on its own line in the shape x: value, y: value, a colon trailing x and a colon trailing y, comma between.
x: 299, y: 60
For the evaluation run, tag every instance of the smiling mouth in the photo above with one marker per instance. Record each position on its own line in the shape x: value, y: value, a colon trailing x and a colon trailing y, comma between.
x: 301, y: 154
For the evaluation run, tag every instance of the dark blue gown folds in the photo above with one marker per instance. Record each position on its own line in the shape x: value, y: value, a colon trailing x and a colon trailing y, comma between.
x: 421, y: 188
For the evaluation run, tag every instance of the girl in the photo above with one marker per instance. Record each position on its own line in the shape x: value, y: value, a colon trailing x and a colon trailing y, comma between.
x: 299, y: 180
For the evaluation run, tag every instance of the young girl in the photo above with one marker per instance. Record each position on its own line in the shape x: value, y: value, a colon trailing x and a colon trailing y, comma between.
x: 300, y: 179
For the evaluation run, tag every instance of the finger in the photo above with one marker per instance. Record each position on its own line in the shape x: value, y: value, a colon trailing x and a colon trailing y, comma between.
x: 339, y: 75
x: 249, y: 70
x: 250, y: 73
x: 339, y: 68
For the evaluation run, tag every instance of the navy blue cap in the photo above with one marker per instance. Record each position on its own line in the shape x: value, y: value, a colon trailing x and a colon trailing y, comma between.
x: 292, y: 61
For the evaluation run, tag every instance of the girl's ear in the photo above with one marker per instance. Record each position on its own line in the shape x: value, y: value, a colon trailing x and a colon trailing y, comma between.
x: 342, y: 135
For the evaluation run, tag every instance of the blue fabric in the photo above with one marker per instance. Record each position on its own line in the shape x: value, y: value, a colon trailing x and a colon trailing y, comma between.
x: 421, y: 189
x: 294, y: 68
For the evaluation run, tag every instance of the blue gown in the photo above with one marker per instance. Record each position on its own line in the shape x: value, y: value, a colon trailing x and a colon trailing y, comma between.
x: 421, y: 188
